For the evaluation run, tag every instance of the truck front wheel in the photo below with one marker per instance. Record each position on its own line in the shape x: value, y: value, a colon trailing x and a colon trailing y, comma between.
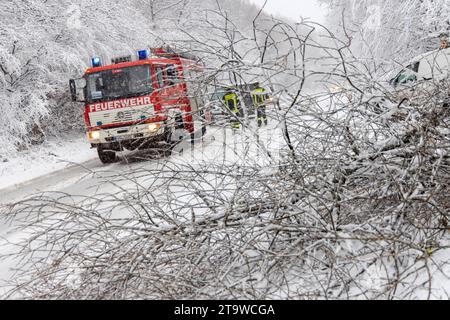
x: 106, y: 156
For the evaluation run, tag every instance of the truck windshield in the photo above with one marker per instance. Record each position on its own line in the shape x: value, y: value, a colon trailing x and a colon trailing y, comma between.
x: 119, y: 83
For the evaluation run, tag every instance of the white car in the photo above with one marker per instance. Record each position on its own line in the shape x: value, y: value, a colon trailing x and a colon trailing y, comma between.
x: 422, y: 75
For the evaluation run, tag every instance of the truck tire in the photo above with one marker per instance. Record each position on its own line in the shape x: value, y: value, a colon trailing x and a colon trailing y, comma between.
x: 106, y: 156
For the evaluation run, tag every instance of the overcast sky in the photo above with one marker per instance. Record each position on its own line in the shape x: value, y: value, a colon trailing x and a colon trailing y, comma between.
x: 294, y: 9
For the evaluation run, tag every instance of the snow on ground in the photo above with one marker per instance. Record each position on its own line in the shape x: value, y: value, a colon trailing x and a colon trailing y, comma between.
x: 54, y: 155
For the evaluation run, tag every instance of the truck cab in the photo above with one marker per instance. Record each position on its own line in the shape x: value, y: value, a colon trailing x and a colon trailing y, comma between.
x: 151, y: 101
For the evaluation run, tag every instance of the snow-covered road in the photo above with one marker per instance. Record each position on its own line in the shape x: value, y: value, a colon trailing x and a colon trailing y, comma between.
x: 80, y: 178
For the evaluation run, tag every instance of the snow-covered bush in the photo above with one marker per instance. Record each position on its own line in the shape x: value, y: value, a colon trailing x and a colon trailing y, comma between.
x: 43, y: 44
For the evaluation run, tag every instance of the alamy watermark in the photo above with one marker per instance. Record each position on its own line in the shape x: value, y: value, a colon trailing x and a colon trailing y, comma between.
x: 372, y: 10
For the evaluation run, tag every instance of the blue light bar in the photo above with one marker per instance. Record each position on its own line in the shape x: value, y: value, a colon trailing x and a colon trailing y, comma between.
x: 143, y: 54
x: 96, y: 62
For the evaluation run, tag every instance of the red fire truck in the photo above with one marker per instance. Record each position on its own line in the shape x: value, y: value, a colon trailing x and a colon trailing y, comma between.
x: 151, y: 100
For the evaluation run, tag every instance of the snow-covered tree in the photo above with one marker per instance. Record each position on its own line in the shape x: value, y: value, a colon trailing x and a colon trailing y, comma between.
x: 390, y: 30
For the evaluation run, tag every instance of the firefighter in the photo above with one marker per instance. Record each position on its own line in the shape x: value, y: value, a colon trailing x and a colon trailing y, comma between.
x: 232, y: 103
x: 260, y: 98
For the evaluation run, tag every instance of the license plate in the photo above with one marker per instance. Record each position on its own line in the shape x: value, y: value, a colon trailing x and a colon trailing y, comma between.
x: 122, y: 138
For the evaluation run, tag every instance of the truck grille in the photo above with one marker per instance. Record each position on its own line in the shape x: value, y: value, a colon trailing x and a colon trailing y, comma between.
x: 117, y: 116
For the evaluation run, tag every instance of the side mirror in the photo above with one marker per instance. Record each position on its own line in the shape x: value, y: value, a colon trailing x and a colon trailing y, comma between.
x: 73, y: 90
x: 75, y: 85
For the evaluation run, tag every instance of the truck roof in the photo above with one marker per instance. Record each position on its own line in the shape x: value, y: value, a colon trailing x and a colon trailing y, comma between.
x: 133, y: 64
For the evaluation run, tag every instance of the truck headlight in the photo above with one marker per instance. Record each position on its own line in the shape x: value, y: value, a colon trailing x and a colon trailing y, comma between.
x: 154, y: 127
x: 94, y: 135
